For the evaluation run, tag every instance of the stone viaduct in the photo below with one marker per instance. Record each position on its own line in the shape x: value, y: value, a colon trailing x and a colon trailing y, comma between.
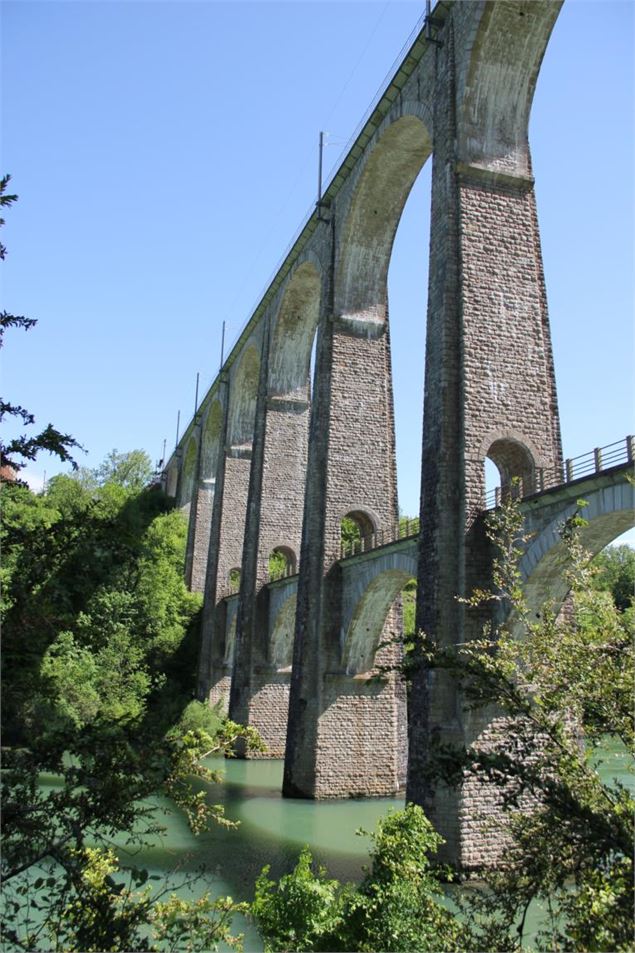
x: 273, y: 461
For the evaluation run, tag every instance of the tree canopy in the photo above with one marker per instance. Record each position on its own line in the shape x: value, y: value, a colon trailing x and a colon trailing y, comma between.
x: 98, y: 667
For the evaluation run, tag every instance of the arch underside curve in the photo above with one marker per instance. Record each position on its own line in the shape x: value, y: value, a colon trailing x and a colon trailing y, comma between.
x: 370, y: 614
x: 293, y: 333
x: 211, y: 439
x: 609, y: 512
x: 172, y: 480
x: 243, y: 393
x: 189, y: 472
x: 402, y: 146
x: 497, y: 83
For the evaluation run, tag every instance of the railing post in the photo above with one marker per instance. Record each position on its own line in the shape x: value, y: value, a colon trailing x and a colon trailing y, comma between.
x: 497, y: 496
x: 597, y: 456
x: 630, y: 448
x: 568, y: 470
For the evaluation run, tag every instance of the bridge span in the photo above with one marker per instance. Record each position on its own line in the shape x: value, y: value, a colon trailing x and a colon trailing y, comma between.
x: 272, y: 462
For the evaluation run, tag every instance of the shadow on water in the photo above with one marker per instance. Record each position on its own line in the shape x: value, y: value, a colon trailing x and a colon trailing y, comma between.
x: 272, y: 830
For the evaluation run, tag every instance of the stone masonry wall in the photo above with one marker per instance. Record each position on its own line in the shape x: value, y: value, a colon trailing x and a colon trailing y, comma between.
x: 489, y: 368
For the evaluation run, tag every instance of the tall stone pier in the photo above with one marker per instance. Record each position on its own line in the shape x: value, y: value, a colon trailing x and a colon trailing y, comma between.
x: 487, y: 319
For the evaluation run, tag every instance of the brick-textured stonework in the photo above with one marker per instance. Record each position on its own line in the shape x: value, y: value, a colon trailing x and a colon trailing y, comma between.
x: 269, y: 464
x: 490, y: 385
x: 269, y: 711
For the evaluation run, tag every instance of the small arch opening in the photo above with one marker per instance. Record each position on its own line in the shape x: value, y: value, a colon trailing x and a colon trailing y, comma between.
x: 514, y: 465
x: 356, y: 532
x: 282, y: 562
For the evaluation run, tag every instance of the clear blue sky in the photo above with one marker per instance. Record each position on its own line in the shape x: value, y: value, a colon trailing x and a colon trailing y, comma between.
x: 165, y: 153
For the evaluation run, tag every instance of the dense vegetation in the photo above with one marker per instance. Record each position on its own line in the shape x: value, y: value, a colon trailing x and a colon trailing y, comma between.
x: 98, y: 662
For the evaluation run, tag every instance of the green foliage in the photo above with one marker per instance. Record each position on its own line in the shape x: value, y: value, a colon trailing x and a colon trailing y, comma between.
x: 616, y: 574
x: 409, y: 607
x: 60, y: 892
x: 197, y: 716
x: 554, y: 681
x: 394, y: 908
x: 278, y: 565
x: 94, y: 589
x: 351, y: 534
x: 300, y: 912
x: 98, y: 661
x: 132, y: 470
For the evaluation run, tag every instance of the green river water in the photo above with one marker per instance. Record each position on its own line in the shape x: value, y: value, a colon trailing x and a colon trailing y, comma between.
x: 272, y: 831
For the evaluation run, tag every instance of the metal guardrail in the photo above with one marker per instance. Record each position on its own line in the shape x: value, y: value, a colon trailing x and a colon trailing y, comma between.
x: 404, y: 529
x: 595, y: 461
x: 285, y: 573
x: 547, y: 478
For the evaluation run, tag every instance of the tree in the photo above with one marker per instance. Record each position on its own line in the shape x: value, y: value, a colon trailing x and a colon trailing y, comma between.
x: 563, y: 686
x: 396, y: 907
x: 98, y: 664
x: 63, y: 887
x: 132, y: 470
x: 18, y: 450
x: 616, y: 574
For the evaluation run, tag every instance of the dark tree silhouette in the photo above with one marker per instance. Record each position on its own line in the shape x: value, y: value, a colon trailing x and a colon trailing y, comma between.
x: 15, y: 453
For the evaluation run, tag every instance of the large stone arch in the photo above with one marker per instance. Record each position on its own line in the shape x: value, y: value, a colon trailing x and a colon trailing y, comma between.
x: 211, y: 441
x: 402, y: 145
x: 609, y: 512
x: 368, y: 617
x: 496, y: 84
x: 242, y: 398
x: 294, y: 331
x: 515, y: 456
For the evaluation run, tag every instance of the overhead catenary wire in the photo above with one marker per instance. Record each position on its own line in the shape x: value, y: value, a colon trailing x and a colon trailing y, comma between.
x: 301, y: 174
x: 309, y: 158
